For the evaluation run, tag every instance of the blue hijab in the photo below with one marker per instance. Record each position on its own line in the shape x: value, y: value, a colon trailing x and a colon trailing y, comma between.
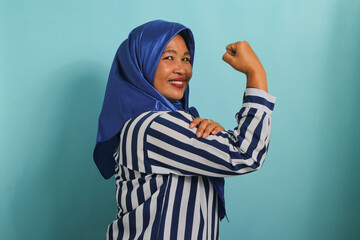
x: 130, y: 89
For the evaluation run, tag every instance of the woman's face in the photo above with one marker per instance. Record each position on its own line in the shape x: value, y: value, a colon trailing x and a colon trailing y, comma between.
x: 174, y: 70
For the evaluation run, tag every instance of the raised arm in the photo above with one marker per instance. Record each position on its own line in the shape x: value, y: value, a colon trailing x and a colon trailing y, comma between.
x: 242, y: 58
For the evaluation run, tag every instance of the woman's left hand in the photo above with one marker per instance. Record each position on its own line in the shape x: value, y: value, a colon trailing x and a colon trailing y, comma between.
x: 206, y: 127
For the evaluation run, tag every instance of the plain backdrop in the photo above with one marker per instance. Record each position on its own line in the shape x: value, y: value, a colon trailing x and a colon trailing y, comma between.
x: 55, y: 57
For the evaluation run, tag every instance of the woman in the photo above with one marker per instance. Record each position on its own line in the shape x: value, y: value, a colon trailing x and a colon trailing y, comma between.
x: 169, y: 164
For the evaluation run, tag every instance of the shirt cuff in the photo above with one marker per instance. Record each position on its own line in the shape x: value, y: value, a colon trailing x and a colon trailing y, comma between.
x: 257, y: 98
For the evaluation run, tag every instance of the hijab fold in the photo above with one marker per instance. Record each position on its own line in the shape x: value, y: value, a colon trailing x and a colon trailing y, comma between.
x: 130, y: 89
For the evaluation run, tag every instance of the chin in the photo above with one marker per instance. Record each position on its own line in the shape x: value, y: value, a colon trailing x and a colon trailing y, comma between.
x: 175, y: 98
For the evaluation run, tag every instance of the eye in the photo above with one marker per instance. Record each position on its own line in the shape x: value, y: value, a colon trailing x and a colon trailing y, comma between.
x: 186, y: 59
x: 168, y: 58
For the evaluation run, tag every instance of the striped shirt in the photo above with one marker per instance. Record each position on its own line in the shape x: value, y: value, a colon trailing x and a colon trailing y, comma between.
x: 163, y: 189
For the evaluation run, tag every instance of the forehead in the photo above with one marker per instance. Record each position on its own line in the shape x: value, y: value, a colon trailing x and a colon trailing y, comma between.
x: 178, y: 43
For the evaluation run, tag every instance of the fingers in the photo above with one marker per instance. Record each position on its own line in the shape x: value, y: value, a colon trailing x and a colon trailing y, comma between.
x: 202, y: 126
x: 231, y: 49
x: 217, y: 129
x: 203, y: 123
x: 195, y: 122
x: 227, y: 58
x: 230, y: 54
x: 207, y: 127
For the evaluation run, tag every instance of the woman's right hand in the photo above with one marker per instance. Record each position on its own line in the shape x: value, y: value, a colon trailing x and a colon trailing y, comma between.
x: 206, y: 127
x: 241, y: 57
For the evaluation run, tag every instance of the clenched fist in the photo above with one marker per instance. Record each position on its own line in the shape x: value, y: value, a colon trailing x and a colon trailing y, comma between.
x: 241, y: 57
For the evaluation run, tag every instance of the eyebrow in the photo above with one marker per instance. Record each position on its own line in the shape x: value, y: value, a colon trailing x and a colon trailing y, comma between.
x: 174, y: 52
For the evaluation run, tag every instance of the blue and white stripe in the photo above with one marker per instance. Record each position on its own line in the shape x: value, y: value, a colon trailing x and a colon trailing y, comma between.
x: 162, y: 176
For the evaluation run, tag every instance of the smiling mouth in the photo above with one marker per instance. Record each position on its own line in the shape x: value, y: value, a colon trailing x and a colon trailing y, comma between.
x: 177, y: 83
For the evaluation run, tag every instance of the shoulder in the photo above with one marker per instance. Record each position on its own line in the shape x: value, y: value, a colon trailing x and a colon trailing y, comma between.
x: 167, y: 118
x: 179, y: 117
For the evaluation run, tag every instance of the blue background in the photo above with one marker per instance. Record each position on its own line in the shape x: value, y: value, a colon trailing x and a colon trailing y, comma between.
x: 54, y: 61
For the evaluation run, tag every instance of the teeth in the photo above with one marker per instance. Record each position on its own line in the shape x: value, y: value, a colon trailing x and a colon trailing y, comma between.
x: 177, y: 82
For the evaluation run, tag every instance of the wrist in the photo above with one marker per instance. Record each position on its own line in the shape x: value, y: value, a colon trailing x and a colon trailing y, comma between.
x: 258, y: 72
x: 257, y: 79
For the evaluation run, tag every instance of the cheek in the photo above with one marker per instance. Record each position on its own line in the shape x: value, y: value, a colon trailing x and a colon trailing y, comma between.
x: 189, y: 72
x: 164, y: 71
x: 160, y: 75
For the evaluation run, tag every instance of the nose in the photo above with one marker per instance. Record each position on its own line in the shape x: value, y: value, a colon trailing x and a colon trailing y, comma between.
x: 179, y: 68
